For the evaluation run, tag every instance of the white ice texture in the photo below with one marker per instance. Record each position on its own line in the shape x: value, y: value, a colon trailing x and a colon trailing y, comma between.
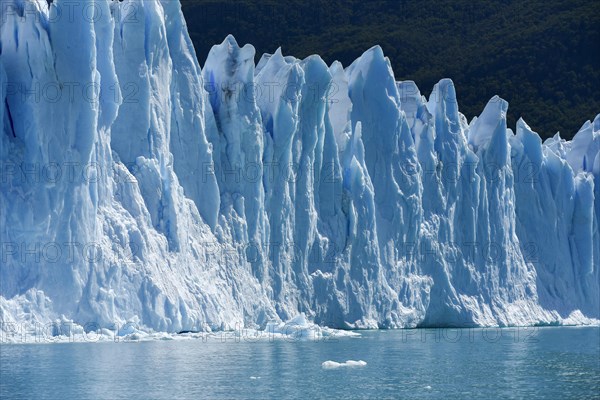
x: 138, y: 188
x: 350, y: 363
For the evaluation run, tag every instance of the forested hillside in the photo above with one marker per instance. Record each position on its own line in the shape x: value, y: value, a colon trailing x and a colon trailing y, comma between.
x: 541, y: 56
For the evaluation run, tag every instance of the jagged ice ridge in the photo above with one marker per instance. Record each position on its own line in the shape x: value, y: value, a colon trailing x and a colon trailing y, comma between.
x: 138, y: 187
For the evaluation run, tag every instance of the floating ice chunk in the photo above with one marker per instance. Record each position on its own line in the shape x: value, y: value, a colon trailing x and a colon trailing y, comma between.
x: 299, y: 328
x: 350, y: 363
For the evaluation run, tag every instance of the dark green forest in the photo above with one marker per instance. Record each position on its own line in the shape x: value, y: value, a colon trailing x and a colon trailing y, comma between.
x: 543, y: 57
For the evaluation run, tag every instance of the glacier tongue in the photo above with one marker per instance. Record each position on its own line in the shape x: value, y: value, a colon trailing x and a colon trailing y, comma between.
x: 136, y: 187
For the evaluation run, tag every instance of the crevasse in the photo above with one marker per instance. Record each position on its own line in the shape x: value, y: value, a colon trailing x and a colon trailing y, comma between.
x: 138, y: 187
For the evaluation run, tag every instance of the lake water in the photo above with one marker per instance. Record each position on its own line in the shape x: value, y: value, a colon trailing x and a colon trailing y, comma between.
x: 554, y: 362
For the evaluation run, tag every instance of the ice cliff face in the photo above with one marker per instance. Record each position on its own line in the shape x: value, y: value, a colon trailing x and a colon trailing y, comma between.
x: 138, y: 187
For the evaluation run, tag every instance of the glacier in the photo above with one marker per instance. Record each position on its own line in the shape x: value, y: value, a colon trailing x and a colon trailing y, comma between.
x: 138, y: 188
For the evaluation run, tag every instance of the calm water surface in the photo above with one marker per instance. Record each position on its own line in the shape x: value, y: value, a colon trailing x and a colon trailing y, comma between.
x: 553, y: 363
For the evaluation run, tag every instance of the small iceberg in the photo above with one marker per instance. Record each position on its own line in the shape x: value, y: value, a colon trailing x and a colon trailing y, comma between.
x: 350, y: 363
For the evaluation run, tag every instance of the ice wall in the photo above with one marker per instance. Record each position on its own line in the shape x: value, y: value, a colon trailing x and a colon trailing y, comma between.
x: 138, y: 188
